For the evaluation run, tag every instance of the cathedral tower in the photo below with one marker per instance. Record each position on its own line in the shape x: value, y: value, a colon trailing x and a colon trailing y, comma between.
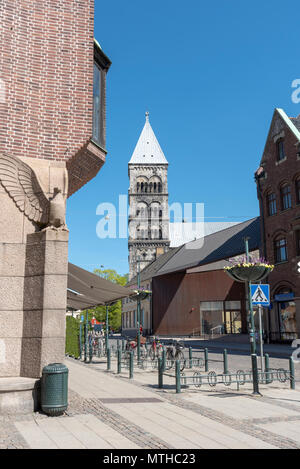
x: 148, y: 221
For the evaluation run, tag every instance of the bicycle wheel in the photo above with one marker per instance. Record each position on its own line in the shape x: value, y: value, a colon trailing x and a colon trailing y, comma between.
x: 152, y: 354
x: 169, y: 360
x: 179, y: 356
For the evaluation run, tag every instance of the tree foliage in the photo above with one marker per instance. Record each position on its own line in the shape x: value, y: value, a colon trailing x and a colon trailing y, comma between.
x: 114, y: 310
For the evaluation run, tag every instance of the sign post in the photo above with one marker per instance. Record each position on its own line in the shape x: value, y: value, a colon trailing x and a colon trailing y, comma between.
x: 260, y: 296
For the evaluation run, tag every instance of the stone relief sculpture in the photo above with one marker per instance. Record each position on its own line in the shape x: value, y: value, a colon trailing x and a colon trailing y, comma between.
x: 22, y: 185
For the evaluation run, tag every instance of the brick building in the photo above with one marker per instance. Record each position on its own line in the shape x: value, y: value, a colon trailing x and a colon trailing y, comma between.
x: 52, y: 142
x: 278, y: 189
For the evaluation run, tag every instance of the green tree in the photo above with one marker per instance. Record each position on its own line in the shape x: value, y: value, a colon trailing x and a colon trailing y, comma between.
x: 114, y: 310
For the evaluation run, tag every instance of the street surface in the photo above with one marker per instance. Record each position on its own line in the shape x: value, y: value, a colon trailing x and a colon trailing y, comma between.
x: 108, y: 411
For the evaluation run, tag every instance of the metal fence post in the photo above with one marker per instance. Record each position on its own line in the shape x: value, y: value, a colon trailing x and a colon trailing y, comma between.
x: 131, y: 364
x: 267, y: 368
x: 119, y: 360
x: 255, y: 374
x: 177, y: 373
x: 225, y: 362
x: 164, y: 357
x: 206, y: 359
x: 160, y: 372
x: 191, y: 357
x: 292, y: 373
x: 91, y: 349
x: 108, y: 352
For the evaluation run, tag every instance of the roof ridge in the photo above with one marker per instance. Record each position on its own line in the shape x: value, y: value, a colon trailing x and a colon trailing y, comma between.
x: 224, y: 229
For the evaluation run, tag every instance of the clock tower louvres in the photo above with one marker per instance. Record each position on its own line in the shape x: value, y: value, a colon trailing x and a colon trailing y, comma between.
x: 148, y: 221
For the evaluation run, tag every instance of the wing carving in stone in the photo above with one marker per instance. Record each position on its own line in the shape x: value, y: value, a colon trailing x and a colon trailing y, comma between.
x: 22, y: 185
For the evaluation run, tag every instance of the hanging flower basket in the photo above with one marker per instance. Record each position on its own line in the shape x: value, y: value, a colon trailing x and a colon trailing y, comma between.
x: 140, y: 295
x: 251, y: 271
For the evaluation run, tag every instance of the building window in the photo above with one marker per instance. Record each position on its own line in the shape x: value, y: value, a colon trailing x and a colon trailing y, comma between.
x: 297, y: 235
x: 297, y: 184
x: 286, y: 200
x: 280, y: 250
x: 97, y: 105
x: 280, y: 150
x: 271, y: 201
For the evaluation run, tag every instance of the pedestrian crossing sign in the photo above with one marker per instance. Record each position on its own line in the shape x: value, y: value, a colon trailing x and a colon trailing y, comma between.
x: 260, y: 294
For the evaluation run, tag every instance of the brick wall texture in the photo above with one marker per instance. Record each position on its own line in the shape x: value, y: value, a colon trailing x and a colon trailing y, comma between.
x: 46, y: 65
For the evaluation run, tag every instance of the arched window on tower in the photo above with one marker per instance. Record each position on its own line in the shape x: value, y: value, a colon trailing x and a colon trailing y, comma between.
x: 159, y: 187
x: 138, y: 187
x: 154, y: 187
x: 160, y: 233
x: 150, y: 187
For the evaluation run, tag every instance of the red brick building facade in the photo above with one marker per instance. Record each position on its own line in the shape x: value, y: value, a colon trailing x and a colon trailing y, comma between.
x: 278, y: 187
x: 46, y: 72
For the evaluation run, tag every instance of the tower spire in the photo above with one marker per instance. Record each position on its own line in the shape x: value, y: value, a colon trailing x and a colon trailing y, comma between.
x: 147, y: 116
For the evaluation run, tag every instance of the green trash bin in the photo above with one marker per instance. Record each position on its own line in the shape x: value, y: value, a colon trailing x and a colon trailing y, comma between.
x: 54, y: 389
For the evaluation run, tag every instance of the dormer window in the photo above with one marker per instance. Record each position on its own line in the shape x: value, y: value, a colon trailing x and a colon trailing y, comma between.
x: 280, y: 150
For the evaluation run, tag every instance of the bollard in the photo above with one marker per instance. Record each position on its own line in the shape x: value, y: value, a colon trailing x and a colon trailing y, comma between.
x: 131, y: 364
x: 177, y: 374
x: 292, y: 373
x: 164, y: 357
x: 255, y: 374
x: 91, y: 349
x: 119, y: 360
x: 267, y: 368
x: 206, y: 359
x: 160, y: 372
x: 225, y: 362
x: 108, y: 355
x: 191, y: 357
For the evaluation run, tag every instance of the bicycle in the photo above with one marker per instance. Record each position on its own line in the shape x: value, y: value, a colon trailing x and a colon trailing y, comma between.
x: 171, y: 357
x: 155, y: 350
x: 131, y: 345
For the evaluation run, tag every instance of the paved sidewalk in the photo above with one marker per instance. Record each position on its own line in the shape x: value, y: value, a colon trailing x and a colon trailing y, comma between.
x: 108, y: 411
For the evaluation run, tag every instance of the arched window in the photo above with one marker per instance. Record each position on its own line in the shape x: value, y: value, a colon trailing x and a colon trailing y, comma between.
x: 160, y: 233
x: 280, y: 249
x: 150, y: 187
x: 154, y: 187
x: 159, y: 187
x: 146, y: 187
x: 142, y: 187
x: 138, y: 187
x: 285, y: 196
x: 271, y: 203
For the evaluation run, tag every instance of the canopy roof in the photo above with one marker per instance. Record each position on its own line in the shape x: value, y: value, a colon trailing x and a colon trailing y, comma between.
x: 86, y: 290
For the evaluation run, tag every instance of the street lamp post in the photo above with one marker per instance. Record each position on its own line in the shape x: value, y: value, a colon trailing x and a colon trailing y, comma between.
x: 252, y: 327
x: 106, y: 327
x: 138, y: 312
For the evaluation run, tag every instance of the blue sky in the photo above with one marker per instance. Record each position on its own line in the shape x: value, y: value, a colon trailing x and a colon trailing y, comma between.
x: 210, y: 74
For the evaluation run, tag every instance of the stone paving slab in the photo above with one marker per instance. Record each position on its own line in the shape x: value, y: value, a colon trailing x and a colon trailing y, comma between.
x: 109, y: 411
